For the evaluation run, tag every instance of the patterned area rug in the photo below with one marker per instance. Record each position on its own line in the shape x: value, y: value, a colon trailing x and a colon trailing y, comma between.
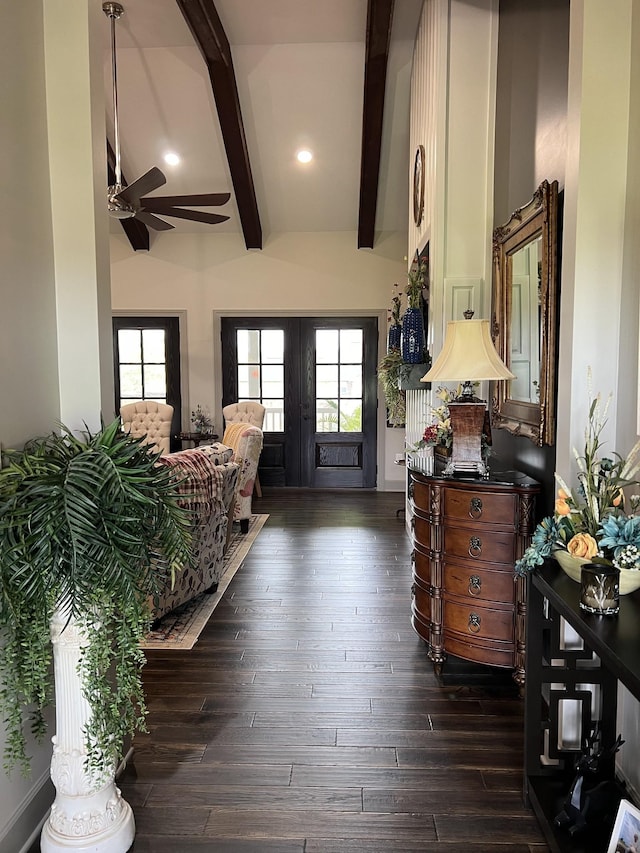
x: 181, y: 628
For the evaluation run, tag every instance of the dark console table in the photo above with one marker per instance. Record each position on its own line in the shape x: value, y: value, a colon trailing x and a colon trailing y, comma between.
x: 196, y: 438
x: 607, y: 652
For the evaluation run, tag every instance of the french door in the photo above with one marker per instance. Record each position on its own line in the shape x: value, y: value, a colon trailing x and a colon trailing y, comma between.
x: 316, y: 377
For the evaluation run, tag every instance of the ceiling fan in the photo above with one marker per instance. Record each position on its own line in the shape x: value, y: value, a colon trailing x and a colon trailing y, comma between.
x: 125, y: 202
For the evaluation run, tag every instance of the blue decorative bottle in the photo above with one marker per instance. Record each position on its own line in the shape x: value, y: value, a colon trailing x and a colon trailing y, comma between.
x: 412, y: 336
x: 395, y: 331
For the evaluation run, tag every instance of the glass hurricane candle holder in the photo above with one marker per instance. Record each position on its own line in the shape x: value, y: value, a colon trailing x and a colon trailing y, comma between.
x: 600, y: 589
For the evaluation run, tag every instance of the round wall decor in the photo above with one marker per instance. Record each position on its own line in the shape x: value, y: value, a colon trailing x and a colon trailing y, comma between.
x: 418, y: 185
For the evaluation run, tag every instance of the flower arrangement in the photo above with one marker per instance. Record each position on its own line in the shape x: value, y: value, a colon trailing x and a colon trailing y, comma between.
x: 439, y: 432
x: 201, y: 420
x: 415, y: 284
x: 591, y: 521
x: 395, y: 312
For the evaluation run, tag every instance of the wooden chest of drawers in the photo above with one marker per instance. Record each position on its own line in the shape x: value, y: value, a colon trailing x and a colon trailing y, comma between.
x: 467, y: 535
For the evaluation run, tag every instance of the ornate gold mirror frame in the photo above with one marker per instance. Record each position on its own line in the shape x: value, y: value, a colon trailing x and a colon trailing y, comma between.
x: 524, y: 322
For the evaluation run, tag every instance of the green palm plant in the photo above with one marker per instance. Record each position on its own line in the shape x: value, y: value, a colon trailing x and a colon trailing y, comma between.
x: 89, y: 524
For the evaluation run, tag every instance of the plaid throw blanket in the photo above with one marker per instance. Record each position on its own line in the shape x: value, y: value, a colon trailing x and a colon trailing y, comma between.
x: 199, y: 479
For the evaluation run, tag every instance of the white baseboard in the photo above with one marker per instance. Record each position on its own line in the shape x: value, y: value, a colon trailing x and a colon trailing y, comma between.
x: 27, y: 825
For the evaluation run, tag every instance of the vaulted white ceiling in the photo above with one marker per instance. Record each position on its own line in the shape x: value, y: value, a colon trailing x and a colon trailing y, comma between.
x: 299, y: 68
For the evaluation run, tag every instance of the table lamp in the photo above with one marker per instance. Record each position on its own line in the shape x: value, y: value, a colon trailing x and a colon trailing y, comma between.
x: 468, y: 355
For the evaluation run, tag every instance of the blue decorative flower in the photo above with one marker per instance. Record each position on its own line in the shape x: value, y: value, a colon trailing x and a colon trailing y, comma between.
x: 619, y: 531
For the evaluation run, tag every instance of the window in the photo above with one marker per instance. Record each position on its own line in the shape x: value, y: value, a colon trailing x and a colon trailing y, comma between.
x: 146, y: 352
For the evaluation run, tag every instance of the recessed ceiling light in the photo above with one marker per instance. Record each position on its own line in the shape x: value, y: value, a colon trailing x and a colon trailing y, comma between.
x: 171, y: 159
x: 304, y: 155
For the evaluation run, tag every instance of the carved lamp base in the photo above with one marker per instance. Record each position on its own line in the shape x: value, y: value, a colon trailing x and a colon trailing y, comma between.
x: 467, y: 423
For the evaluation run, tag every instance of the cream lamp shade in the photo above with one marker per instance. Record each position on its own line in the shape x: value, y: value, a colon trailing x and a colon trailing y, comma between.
x: 468, y: 355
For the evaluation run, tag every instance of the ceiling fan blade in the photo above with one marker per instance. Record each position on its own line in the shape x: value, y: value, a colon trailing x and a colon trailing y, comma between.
x: 193, y: 215
x: 153, y: 221
x: 202, y: 200
x: 149, y: 182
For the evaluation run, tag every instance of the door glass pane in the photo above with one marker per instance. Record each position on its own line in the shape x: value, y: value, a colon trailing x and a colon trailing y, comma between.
x: 155, y: 384
x: 351, y: 346
x: 153, y: 345
x: 273, y: 380
x: 248, y: 343
x: 350, y: 416
x: 327, y: 380
x: 131, y: 381
x: 351, y: 381
x: 274, y: 415
x: 339, y: 358
x: 129, y: 345
x: 326, y: 415
x: 260, y: 372
x: 272, y: 346
x: 249, y: 382
x: 327, y: 342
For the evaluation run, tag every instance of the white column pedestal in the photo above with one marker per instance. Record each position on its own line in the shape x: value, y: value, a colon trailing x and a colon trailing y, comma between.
x: 89, y: 814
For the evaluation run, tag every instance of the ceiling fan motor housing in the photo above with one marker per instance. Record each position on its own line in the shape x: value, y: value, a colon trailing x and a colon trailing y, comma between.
x: 117, y: 207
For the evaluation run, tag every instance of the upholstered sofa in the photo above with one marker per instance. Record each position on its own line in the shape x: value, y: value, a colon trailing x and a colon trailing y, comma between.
x: 208, y: 481
x: 246, y: 442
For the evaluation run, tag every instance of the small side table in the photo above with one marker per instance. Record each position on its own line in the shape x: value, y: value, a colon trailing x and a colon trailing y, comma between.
x: 197, y: 438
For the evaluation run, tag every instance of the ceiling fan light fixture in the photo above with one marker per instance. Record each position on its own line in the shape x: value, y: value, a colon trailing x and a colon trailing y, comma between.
x: 171, y: 158
x: 304, y: 155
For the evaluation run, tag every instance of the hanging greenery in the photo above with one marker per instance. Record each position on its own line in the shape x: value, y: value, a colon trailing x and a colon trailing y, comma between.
x: 90, y: 524
x: 389, y: 372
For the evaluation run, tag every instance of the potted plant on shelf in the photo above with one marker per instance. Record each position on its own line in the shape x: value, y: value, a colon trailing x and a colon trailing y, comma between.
x: 389, y: 372
x: 90, y: 527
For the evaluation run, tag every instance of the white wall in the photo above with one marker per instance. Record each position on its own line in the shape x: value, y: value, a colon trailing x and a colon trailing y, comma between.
x: 28, y: 363
x: 452, y: 116
x: 28, y: 341
x: 601, y: 263
x: 39, y: 265
x: 202, y: 275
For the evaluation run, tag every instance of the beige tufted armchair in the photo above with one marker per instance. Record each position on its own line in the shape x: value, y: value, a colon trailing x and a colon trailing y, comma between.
x: 246, y: 412
x: 149, y: 420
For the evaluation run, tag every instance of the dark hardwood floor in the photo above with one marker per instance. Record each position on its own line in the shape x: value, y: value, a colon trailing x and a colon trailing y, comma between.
x: 307, y: 718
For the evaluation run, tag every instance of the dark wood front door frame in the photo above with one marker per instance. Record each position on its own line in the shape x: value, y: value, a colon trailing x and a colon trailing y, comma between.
x: 294, y: 469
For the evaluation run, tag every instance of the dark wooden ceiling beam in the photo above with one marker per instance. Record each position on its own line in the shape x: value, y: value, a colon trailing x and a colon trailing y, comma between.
x: 136, y: 231
x: 205, y: 25
x: 379, y: 20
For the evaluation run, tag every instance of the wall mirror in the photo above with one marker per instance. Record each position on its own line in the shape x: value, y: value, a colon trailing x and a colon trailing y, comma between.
x: 524, y: 322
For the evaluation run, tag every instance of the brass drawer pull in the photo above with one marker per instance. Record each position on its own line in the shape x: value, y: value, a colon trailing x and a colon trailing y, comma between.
x: 475, y: 585
x: 474, y: 622
x: 475, y: 507
x: 475, y: 546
